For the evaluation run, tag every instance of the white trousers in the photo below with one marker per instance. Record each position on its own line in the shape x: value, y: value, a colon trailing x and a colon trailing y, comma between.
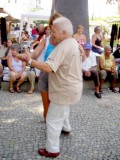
x: 57, y: 120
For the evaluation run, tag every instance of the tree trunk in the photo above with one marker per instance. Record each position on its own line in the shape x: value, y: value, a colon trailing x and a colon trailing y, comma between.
x: 76, y: 11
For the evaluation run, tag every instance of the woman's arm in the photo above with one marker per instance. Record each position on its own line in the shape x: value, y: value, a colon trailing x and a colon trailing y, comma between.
x: 21, y: 39
x: 38, y: 49
x: 84, y: 38
x: 101, y: 44
x: 101, y: 63
x: 9, y: 54
x: 82, y: 52
x: 6, y: 57
x: 37, y: 42
x: 114, y: 64
x: 23, y: 67
x: 93, y: 42
x: 9, y: 62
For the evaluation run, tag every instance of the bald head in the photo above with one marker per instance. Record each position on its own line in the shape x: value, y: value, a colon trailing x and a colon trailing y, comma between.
x: 62, y: 28
x: 41, y: 28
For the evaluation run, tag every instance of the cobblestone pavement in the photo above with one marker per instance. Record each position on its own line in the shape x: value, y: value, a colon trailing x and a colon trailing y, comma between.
x: 95, y: 123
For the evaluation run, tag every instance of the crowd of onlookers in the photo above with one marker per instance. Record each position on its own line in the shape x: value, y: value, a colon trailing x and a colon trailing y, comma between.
x: 98, y: 62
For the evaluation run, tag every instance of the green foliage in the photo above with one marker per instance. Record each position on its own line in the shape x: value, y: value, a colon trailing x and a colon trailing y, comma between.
x: 106, y: 19
x: 37, y: 22
x: 110, y: 1
x: 105, y: 31
x: 106, y: 42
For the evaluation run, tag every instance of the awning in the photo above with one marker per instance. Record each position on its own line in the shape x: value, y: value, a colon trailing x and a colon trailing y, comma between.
x: 12, y: 19
x: 3, y: 13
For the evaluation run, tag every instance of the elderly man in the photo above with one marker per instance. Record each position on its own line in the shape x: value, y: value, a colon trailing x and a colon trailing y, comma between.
x: 40, y: 32
x: 65, y: 83
x: 88, y: 68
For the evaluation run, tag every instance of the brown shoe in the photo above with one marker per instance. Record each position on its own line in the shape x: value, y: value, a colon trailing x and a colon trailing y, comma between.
x: 45, y: 153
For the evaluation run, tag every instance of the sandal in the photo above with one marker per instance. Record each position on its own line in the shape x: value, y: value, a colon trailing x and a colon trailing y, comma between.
x: 18, y: 90
x: 11, y: 90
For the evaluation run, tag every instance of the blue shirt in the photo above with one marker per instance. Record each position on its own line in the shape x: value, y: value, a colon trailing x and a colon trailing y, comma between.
x: 48, y: 51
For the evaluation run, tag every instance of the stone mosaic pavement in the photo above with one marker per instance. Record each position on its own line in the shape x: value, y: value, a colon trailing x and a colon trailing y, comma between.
x: 95, y: 123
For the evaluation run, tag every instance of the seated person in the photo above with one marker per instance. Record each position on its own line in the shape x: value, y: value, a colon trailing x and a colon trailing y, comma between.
x: 7, y: 53
x: 118, y: 44
x: 34, y: 33
x: 107, y: 68
x: 17, y: 69
x: 88, y: 68
x: 40, y: 32
x: 25, y: 36
x: 31, y: 75
x: 97, y: 40
x: 116, y: 55
x: 79, y: 36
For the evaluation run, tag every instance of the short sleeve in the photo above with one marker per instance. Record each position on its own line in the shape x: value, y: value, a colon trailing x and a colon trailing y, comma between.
x: 56, y: 58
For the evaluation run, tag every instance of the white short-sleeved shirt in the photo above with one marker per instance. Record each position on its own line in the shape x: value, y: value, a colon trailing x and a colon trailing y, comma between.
x: 65, y: 82
x: 89, y: 62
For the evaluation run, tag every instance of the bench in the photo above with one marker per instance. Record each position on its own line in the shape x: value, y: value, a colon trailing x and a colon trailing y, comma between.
x: 5, y: 80
x: 6, y: 77
x: 26, y: 85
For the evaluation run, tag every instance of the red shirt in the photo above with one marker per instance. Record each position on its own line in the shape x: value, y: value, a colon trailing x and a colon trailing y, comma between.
x: 40, y: 36
x: 34, y: 31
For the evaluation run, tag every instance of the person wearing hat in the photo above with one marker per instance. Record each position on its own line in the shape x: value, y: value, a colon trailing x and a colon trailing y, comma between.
x: 17, y: 69
x: 88, y: 68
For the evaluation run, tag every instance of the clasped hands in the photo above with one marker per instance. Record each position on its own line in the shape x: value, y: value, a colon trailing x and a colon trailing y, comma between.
x: 112, y: 71
x: 87, y: 73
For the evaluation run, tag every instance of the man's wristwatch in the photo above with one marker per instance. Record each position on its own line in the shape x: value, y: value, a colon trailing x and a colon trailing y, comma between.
x: 29, y: 62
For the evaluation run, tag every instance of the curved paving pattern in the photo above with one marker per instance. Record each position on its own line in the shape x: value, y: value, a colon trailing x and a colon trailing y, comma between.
x: 95, y: 123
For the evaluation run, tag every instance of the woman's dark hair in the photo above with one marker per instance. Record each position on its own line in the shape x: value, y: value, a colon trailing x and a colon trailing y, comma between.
x: 53, y: 17
x: 96, y: 28
x: 37, y: 30
x: 26, y: 32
